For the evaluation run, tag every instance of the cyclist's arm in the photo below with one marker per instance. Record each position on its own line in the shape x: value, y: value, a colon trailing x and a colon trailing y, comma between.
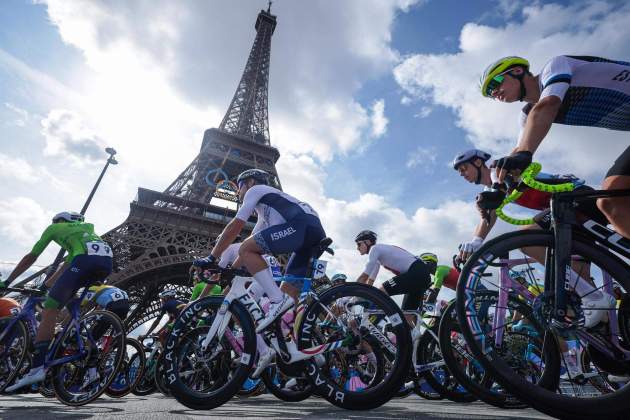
x: 25, y: 263
x: 229, y: 234
x: 483, y: 227
x: 538, y: 123
x: 155, y: 324
x: 365, y: 279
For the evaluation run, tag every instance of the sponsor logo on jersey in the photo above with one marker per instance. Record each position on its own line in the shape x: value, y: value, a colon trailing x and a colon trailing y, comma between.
x: 282, y: 233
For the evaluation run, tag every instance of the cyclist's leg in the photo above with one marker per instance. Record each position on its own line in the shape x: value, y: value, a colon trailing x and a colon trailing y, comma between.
x: 299, y: 260
x: 412, y: 284
x: 617, y: 209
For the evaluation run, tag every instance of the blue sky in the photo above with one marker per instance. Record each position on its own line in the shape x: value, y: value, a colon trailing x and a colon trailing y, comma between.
x: 369, y: 101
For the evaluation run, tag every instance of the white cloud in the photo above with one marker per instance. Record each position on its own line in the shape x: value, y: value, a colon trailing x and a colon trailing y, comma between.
x: 22, y: 220
x: 424, y: 112
x: 378, y: 119
x: 451, y: 80
x: 21, y: 170
x: 422, y: 156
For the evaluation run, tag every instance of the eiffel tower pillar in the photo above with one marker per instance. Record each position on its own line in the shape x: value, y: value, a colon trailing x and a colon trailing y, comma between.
x: 165, y: 231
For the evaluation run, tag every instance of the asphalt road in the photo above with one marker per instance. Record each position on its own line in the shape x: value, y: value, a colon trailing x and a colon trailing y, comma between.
x: 156, y: 406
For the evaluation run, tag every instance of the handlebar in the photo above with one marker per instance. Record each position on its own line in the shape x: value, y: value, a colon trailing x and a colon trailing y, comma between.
x: 528, y: 177
x: 229, y: 271
x: 25, y: 291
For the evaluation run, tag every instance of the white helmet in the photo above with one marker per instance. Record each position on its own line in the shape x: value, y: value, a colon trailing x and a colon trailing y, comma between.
x: 68, y: 216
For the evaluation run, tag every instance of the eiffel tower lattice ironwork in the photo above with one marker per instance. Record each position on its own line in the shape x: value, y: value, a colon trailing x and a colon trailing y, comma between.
x: 165, y: 231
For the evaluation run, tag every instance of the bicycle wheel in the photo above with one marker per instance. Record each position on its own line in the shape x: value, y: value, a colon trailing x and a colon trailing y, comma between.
x: 130, y: 370
x: 533, y: 372
x: 351, y: 306
x: 145, y: 385
x: 45, y: 388
x: 286, y: 388
x: 225, y: 364
x: 82, y: 380
x: 424, y: 390
x: 463, y: 366
x: 440, y: 378
x: 13, y: 350
x: 160, y: 377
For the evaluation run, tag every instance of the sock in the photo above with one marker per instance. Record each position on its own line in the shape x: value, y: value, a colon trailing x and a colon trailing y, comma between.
x: 583, y: 287
x: 255, y: 291
x: 264, y: 278
x: 39, y: 353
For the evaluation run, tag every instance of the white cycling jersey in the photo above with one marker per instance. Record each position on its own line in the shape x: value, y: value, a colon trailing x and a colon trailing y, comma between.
x: 393, y: 258
x: 594, y: 91
x: 273, y: 207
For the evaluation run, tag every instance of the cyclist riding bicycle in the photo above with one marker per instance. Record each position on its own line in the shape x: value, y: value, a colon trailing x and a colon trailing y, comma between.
x: 471, y: 165
x: 572, y: 90
x: 109, y: 298
x: 443, y: 275
x: 285, y: 225
x: 170, y: 306
x: 89, y: 260
x: 411, y: 275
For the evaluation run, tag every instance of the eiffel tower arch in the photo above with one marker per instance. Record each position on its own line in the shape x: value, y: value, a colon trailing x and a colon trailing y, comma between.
x: 165, y: 231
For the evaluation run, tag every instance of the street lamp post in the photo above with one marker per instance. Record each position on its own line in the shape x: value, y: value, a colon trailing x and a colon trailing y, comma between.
x: 110, y: 161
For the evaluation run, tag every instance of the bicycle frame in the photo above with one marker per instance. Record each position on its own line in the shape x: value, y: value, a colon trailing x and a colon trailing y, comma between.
x: 27, y: 313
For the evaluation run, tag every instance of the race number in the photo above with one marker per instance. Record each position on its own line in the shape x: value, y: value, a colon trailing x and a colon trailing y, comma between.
x: 118, y: 295
x: 319, y: 269
x: 99, y: 248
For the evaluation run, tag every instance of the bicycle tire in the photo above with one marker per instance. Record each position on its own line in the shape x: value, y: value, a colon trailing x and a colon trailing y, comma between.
x: 214, y: 397
x: 58, y: 376
x: 334, y: 392
x: 613, y: 405
x: 160, y: 377
x: 276, y: 389
x: 20, y: 333
x: 146, y: 383
x: 480, y: 389
x: 139, y: 359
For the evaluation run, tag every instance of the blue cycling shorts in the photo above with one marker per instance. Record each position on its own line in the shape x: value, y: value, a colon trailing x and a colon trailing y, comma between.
x: 83, y: 271
x: 297, y: 236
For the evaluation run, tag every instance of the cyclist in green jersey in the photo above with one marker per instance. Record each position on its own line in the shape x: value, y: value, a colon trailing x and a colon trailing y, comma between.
x: 443, y: 275
x: 89, y: 260
x: 202, y: 288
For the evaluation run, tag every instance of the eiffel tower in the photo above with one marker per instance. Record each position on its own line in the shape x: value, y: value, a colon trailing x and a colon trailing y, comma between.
x: 165, y: 231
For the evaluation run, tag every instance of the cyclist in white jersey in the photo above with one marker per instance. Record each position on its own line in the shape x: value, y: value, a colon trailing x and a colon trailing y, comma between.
x: 573, y: 90
x: 285, y: 225
x: 411, y: 276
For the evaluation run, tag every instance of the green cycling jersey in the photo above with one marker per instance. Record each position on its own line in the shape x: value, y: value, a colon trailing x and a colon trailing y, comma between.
x: 199, y: 287
x: 445, y: 273
x: 73, y: 237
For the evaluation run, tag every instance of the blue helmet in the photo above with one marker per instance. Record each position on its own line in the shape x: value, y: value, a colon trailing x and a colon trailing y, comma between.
x: 470, y: 155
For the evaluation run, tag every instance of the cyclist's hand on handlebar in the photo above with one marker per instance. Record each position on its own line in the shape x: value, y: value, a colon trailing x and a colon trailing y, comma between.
x: 466, y: 249
x: 516, y: 161
x: 490, y: 199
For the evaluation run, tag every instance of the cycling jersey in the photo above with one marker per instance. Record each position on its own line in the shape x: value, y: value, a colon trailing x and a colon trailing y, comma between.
x: 594, y: 91
x: 393, y: 258
x: 200, y: 287
x: 76, y: 238
x: 445, y: 276
x: 273, y: 207
x: 104, y: 294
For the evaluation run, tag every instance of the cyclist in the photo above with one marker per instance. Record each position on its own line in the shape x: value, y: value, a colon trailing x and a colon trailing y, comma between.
x: 471, y: 165
x: 573, y: 90
x: 411, y: 278
x: 338, y: 278
x: 109, y: 298
x: 171, y: 306
x: 285, y: 225
x: 89, y: 259
x: 443, y: 275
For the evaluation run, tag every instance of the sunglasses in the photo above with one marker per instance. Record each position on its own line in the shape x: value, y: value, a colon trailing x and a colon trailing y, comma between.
x: 494, y: 83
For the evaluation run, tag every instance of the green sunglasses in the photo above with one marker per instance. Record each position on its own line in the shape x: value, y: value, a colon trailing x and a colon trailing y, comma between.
x: 494, y: 83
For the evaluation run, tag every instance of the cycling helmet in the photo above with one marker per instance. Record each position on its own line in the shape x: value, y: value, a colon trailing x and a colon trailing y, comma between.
x: 168, y: 293
x: 469, y: 156
x: 338, y: 278
x: 365, y: 235
x: 8, y: 307
x: 259, y: 175
x: 500, y: 67
x: 429, y: 257
x: 68, y: 216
